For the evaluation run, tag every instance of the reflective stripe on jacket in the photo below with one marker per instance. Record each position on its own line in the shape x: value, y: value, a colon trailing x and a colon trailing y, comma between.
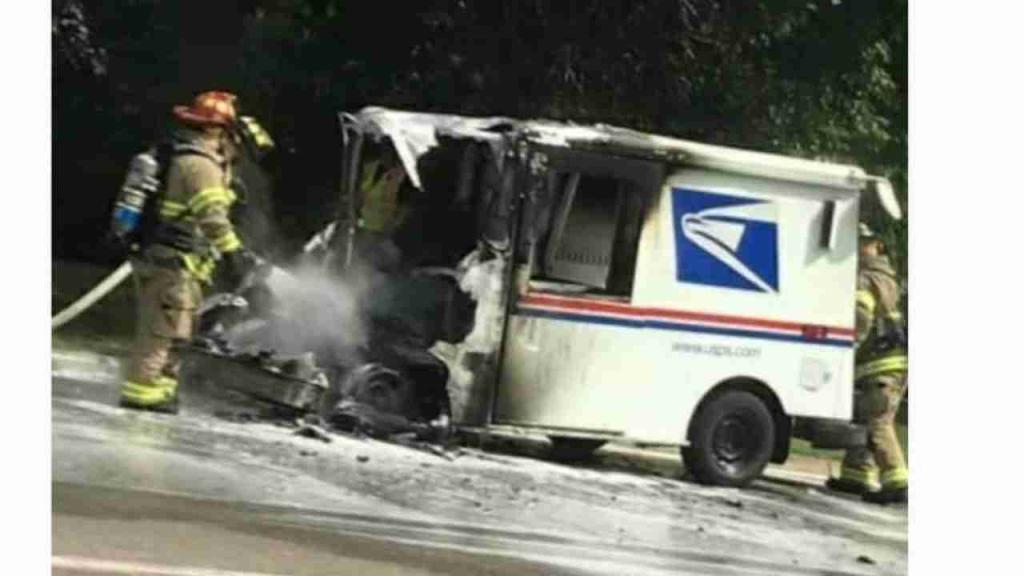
x: 894, y: 363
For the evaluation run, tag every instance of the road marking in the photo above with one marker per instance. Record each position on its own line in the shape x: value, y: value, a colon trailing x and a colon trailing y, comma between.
x: 80, y: 564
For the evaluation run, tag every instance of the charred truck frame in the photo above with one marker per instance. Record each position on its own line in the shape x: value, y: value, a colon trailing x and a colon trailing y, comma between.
x: 606, y: 284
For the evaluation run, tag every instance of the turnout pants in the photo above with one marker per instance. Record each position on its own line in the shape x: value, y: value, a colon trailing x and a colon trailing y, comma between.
x: 167, y: 301
x: 882, y: 460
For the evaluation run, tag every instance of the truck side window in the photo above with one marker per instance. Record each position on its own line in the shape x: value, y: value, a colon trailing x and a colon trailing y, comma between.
x: 590, y: 245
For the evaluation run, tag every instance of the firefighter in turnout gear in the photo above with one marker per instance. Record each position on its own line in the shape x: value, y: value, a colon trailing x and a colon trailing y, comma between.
x: 192, y: 232
x: 382, y: 210
x: 881, y: 380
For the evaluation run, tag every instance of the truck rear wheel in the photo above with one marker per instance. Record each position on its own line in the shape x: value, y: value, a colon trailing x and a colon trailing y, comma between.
x: 731, y: 440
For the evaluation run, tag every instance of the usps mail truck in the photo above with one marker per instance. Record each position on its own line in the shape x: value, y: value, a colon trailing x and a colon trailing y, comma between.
x: 664, y: 291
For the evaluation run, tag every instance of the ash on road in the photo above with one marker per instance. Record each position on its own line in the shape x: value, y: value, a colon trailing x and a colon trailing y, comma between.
x: 195, y: 494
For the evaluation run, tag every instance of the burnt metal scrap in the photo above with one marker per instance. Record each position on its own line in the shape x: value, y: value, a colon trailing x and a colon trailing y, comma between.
x: 293, y: 383
x: 431, y: 297
x: 372, y: 399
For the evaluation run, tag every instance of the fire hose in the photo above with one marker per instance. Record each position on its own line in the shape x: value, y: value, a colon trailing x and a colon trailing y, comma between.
x: 115, y: 278
x: 93, y: 296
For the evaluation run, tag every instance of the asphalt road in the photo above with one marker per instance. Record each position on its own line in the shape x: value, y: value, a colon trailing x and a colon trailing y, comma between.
x: 199, y: 494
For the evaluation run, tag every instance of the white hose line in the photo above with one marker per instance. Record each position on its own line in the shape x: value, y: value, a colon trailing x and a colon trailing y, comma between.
x: 92, y: 296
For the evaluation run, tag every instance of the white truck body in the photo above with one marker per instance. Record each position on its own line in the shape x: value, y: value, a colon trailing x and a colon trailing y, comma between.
x: 733, y: 281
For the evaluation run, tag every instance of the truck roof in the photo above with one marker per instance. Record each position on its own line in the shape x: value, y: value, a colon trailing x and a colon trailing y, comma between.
x: 413, y: 133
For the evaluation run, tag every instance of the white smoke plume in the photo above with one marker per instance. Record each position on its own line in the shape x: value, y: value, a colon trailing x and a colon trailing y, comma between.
x: 311, y: 310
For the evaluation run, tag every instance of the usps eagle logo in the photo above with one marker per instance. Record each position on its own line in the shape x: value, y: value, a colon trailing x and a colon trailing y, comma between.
x: 727, y: 241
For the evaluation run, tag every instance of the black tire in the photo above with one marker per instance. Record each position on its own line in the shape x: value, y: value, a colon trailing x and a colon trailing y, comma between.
x: 731, y: 440
x: 566, y: 449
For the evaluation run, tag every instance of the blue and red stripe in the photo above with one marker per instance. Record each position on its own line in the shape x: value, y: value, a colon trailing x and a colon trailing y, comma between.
x: 626, y: 315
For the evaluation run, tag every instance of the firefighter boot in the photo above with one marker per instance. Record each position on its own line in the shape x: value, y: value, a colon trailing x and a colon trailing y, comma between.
x: 887, y: 496
x: 161, y: 395
x: 848, y: 486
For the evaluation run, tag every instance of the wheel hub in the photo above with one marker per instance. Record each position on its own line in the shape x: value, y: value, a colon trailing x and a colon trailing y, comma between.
x: 732, y: 440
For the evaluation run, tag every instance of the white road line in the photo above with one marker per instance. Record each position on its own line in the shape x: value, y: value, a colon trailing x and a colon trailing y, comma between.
x: 80, y: 564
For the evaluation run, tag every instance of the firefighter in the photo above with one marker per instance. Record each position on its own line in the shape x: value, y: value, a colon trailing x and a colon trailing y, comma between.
x: 881, y: 380
x: 382, y: 210
x: 191, y: 234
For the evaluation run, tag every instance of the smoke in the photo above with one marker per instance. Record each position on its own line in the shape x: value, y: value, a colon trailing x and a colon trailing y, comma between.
x: 308, y: 309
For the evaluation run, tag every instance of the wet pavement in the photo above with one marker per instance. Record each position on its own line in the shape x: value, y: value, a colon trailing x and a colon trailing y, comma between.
x: 141, y: 493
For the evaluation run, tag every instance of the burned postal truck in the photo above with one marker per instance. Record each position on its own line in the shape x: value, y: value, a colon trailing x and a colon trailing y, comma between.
x: 593, y: 283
